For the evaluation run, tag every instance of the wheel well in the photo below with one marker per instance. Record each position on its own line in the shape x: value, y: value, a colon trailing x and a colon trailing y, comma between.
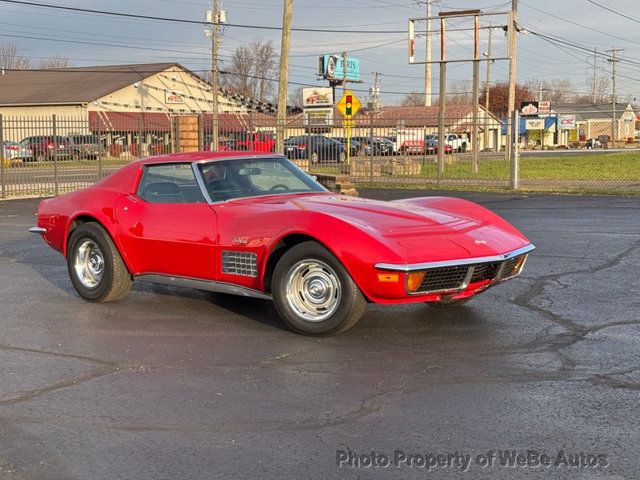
x: 79, y: 220
x: 278, y: 251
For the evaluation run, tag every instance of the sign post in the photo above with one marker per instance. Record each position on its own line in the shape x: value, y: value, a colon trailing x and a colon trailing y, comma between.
x: 348, y: 106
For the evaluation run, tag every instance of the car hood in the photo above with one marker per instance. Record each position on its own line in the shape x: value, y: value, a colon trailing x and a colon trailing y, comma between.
x: 446, y: 229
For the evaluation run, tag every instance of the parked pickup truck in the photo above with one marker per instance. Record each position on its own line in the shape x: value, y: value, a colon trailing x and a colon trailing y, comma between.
x: 458, y: 142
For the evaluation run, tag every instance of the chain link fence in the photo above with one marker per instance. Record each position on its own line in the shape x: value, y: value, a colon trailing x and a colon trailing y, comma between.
x: 49, y: 155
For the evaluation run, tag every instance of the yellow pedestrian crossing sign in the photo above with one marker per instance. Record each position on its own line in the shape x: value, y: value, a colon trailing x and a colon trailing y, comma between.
x: 349, y: 104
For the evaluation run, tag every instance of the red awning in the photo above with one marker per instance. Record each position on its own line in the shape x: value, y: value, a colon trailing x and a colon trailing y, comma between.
x: 129, y: 122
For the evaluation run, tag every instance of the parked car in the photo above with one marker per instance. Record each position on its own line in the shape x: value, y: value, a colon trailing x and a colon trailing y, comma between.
x: 85, y: 147
x: 255, y: 225
x: 457, y: 141
x: 315, y: 148
x: 354, y: 145
x: 14, y: 151
x: 431, y: 145
x: 46, y: 147
x: 256, y: 142
x: 375, y: 146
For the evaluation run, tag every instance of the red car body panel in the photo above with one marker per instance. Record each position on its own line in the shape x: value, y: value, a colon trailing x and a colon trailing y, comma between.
x: 187, y: 239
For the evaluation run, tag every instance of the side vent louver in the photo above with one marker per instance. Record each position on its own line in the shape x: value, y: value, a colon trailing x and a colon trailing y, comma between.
x: 240, y: 263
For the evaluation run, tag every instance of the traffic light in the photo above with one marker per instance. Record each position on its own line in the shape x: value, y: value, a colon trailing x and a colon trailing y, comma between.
x: 349, y: 103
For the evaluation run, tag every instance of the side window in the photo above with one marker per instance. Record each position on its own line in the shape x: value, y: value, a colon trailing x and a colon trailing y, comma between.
x: 169, y: 183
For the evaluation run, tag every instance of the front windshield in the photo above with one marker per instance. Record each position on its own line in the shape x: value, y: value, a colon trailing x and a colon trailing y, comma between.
x: 240, y: 178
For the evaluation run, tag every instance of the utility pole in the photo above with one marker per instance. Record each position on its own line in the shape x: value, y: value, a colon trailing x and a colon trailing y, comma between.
x: 487, y: 90
x: 476, y: 85
x: 283, y: 77
x: 540, y: 91
x: 594, y: 79
x: 215, y: 17
x: 613, y: 60
x: 513, y: 53
x: 344, y: 72
x: 427, y: 66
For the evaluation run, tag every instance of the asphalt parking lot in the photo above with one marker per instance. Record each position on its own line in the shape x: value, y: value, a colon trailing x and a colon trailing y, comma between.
x: 181, y: 384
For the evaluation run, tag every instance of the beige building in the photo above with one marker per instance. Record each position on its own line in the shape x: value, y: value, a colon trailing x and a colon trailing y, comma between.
x: 118, y: 99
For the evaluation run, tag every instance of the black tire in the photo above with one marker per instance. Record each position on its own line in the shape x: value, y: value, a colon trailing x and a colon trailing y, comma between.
x: 114, y: 282
x: 342, y: 157
x: 347, y: 303
x: 313, y: 158
x: 463, y: 149
x: 41, y: 157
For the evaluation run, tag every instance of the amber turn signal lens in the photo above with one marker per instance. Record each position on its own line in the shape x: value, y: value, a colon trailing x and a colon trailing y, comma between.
x: 388, y: 277
x: 414, y: 279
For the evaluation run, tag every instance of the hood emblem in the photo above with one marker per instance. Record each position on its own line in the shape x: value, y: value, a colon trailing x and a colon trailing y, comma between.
x: 240, y: 241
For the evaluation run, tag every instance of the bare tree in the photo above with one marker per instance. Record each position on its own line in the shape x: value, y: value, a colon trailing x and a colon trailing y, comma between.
x: 459, y: 93
x: 413, y: 99
x: 59, y: 61
x: 602, y: 89
x: 251, y: 70
x: 10, y: 57
x: 556, y: 90
x: 295, y: 98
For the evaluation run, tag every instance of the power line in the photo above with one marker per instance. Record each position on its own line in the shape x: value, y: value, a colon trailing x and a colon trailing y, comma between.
x: 624, y: 15
x: 194, y: 22
x: 579, y: 24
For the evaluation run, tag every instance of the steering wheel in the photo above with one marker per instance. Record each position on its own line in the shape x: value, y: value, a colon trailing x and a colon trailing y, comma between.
x: 278, y: 186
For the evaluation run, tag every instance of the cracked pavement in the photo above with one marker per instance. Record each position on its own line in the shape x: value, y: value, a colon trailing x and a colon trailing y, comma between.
x: 174, y: 383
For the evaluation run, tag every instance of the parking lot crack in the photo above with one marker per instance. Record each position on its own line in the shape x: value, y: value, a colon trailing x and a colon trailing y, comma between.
x: 102, y: 368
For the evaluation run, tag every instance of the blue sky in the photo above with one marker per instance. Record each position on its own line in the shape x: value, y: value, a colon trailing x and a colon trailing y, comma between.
x: 138, y: 41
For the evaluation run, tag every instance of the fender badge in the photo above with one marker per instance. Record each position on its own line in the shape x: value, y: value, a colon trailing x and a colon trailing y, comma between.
x: 240, y: 241
x: 480, y: 242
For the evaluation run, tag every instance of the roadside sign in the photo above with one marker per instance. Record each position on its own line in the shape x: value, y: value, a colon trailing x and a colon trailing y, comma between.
x: 544, y: 107
x: 529, y: 109
x: 534, y: 124
x: 348, y: 105
x: 566, y: 122
x: 348, y: 123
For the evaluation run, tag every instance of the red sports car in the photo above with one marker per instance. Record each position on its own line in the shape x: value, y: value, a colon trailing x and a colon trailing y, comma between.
x: 255, y: 225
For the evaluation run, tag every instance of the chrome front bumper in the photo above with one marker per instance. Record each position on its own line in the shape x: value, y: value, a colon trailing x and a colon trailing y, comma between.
x: 454, y: 276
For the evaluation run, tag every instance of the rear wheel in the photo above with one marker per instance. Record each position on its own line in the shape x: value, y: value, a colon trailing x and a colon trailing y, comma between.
x: 342, y: 158
x: 313, y: 292
x: 314, y: 157
x: 96, y: 269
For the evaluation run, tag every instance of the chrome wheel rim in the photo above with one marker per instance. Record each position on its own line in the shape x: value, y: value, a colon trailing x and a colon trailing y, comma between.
x: 89, y: 264
x: 313, y: 290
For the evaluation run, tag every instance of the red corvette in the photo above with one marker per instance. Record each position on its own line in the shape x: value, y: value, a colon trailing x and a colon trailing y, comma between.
x: 255, y: 225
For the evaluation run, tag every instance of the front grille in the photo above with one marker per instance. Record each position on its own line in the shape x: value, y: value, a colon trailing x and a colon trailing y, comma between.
x: 512, y: 267
x: 444, y: 278
x: 485, y: 271
x: 240, y: 263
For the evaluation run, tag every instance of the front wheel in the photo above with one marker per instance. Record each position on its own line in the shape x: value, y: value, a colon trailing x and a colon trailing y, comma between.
x: 313, y: 292
x: 96, y: 269
x: 314, y: 157
x: 342, y: 157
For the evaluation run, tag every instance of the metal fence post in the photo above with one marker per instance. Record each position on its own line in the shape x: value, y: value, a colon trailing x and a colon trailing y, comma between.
x: 515, y: 151
x: 55, y: 153
x: 371, y: 148
x: 2, y: 181
x: 101, y: 152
